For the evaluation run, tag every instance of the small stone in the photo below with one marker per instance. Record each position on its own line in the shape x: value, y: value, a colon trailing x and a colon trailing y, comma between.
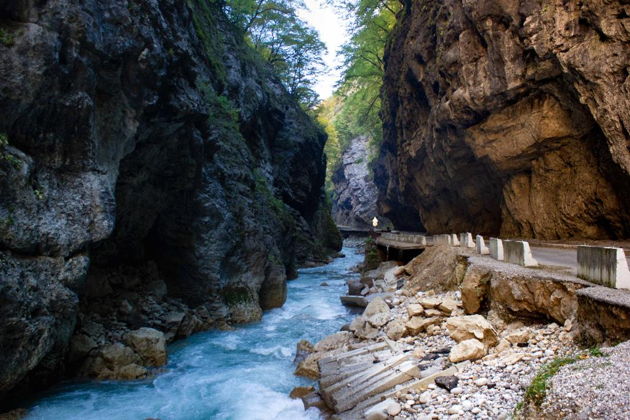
x: 447, y: 382
x: 476, y: 410
x: 425, y: 397
x: 456, y: 391
x: 455, y: 409
x: 325, y: 284
x: 415, y: 310
x: 481, y: 381
x: 301, y: 391
x: 394, y: 409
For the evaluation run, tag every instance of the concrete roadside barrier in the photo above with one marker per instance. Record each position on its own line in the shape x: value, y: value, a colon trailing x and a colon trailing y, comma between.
x: 466, y: 241
x: 603, y: 265
x: 496, y: 248
x: 442, y: 240
x: 481, y: 246
x: 454, y: 240
x: 518, y: 252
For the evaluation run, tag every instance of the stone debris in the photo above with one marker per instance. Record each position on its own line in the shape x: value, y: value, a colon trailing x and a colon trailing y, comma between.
x: 413, y: 355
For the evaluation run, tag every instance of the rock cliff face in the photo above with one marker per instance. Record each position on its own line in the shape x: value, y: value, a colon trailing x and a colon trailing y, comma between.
x: 355, y: 194
x: 153, y: 173
x: 509, y: 117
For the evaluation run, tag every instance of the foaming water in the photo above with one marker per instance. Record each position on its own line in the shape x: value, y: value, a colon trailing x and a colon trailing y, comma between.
x: 228, y: 375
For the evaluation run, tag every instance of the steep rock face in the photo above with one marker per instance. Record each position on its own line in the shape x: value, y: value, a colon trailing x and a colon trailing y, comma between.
x: 355, y: 194
x: 156, y: 175
x: 509, y: 117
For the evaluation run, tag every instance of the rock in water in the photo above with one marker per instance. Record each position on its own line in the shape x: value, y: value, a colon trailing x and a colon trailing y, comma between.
x: 155, y: 167
x: 301, y: 391
x: 149, y: 344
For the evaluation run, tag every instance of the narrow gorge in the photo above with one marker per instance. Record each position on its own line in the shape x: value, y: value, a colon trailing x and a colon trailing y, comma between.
x: 154, y: 173
x: 287, y: 209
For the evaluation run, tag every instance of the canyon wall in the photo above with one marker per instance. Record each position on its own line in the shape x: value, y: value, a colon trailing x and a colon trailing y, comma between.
x: 153, y: 173
x: 508, y: 117
x: 354, y: 195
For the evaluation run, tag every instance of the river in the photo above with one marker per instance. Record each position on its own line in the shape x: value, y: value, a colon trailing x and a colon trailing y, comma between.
x: 244, y: 374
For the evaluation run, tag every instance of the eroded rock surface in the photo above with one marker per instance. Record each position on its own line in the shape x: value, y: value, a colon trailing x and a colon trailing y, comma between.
x: 491, y: 107
x: 156, y: 175
x: 355, y: 194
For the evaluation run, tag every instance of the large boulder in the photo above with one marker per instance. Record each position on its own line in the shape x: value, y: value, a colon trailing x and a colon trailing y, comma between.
x: 149, y: 344
x: 462, y: 328
x: 471, y: 349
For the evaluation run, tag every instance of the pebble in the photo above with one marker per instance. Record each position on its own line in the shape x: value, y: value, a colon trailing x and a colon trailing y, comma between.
x: 481, y: 381
x: 455, y: 409
x: 394, y: 409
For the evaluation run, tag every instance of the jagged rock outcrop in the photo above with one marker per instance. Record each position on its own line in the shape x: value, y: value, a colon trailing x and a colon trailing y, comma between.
x: 156, y: 175
x: 354, y: 196
x: 508, y: 117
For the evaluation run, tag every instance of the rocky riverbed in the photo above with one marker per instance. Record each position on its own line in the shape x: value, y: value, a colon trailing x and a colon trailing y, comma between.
x: 481, y: 366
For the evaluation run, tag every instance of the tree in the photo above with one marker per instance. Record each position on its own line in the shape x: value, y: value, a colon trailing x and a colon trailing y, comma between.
x: 288, y: 44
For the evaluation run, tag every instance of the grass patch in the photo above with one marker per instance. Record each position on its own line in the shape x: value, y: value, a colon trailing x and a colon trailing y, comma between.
x: 537, y: 391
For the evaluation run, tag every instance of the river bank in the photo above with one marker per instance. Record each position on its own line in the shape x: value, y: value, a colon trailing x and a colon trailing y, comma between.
x: 440, y: 340
x: 243, y: 373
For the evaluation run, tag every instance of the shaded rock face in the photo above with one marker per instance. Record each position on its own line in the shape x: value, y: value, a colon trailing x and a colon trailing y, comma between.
x: 157, y: 175
x: 508, y: 118
x: 355, y: 194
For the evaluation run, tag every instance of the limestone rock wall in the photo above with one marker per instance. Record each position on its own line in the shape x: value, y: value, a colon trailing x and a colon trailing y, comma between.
x: 508, y: 117
x: 354, y: 196
x: 156, y: 175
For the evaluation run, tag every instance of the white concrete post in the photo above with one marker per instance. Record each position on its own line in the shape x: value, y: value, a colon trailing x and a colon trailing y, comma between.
x: 518, y: 252
x: 466, y: 240
x: 454, y: 240
x: 481, y: 246
x: 496, y: 249
x: 604, y: 265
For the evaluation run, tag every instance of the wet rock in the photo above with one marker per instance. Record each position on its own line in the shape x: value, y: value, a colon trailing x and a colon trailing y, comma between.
x: 301, y: 391
x: 308, y: 367
x: 149, y: 344
x: 303, y: 349
x: 355, y: 286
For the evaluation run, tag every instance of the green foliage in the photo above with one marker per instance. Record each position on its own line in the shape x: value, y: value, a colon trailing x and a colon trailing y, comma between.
x: 372, y: 259
x: 285, y: 41
x: 262, y: 188
x: 236, y: 295
x: 6, y: 156
x: 355, y: 107
x: 537, y: 390
x: 7, y: 39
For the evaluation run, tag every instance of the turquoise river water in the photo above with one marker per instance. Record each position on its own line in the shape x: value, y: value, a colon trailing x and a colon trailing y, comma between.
x: 244, y: 374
